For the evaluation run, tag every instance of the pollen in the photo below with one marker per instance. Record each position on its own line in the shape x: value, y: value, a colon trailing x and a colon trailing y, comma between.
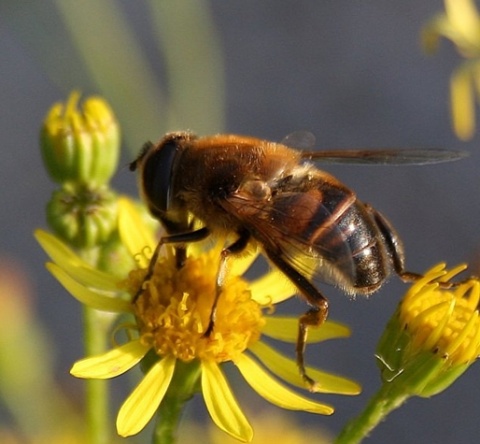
x: 175, y: 307
x: 445, y: 321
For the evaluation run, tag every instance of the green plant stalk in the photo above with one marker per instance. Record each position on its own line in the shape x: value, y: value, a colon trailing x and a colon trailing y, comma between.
x: 96, y: 325
x: 184, y: 385
x: 387, y: 399
x: 169, y: 415
x: 97, y: 391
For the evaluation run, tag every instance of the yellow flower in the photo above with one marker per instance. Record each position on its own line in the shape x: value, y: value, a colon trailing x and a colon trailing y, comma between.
x: 461, y: 24
x: 434, y: 335
x: 431, y: 339
x: 172, y: 314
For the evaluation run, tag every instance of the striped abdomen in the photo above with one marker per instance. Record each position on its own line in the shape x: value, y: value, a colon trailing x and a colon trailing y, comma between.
x: 333, y: 236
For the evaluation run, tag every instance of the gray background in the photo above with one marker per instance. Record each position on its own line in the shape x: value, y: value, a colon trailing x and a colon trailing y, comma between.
x: 353, y: 74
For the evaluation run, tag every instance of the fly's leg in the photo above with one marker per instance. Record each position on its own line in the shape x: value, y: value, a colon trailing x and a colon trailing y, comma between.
x: 180, y: 238
x: 314, y: 317
x: 237, y: 247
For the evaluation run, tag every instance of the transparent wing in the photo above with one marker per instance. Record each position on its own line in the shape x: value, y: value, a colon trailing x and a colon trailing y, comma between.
x: 305, y: 141
x: 392, y: 156
x: 301, y: 140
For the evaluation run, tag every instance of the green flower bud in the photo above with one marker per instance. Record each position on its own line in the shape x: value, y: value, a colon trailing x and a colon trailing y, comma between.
x: 81, y: 216
x: 81, y: 148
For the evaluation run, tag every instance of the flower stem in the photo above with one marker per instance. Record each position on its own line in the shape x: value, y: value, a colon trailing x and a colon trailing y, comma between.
x: 183, y: 386
x: 96, y: 389
x: 96, y: 325
x: 385, y: 401
x: 169, y: 415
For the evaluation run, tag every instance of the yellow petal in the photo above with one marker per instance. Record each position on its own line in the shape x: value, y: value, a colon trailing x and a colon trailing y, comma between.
x: 273, y: 391
x: 91, y: 277
x: 462, y: 102
x: 221, y: 403
x: 88, y: 297
x: 133, y: 231
x: 272, y: 287
x: 468, y: 331
x: 286, y: 329
x: 77, y: 268
x: 110, y: 364
x: 238, y: 265
x: 287, y: 369
x: 56, y: 249
x: 242, y: 263
x: 140, y: 406
x: 473, y: 347
x: 464, y: 18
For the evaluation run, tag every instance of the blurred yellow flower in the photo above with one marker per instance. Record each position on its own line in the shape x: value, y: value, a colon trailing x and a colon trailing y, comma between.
x: 460, y: 23
x: 270, y: 426
x: 172, y: 314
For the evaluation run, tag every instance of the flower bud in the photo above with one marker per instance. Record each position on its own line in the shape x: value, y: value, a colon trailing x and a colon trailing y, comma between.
x: 81, y: 216
x: 80, y: 147
x: 434, y: 335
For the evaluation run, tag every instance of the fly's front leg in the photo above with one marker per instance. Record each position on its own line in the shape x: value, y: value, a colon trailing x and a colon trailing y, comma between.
x: 237, y: 247
x: 180, y: 238
x: 314, y: 317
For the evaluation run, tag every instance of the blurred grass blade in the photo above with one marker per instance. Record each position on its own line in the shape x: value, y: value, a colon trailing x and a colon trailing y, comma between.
x: 50, y: 49
x: 115, y: 61
x: 194, y: 63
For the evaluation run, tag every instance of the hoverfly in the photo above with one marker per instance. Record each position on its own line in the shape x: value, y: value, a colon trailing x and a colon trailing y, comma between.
x: 306, y: 221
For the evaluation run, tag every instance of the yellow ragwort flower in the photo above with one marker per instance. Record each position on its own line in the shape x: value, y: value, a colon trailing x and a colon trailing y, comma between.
x: 172, y: 314
x: 434, y: 335
x: 432, y: 338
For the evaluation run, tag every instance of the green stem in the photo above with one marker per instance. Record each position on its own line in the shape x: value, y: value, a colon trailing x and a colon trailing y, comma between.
x: 183, y: 386
x: 96, y: 393
x: 169, y: 415
x: 385, y: 401
x: 96, y: 325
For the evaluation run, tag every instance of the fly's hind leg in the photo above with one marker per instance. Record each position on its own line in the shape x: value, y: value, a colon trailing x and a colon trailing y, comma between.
x: 314, y: 317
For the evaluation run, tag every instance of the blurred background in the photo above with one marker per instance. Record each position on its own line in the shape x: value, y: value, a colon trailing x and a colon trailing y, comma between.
x: 352, y: 73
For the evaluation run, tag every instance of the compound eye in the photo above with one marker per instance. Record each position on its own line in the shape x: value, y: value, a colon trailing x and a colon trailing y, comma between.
x: 157, y: 175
